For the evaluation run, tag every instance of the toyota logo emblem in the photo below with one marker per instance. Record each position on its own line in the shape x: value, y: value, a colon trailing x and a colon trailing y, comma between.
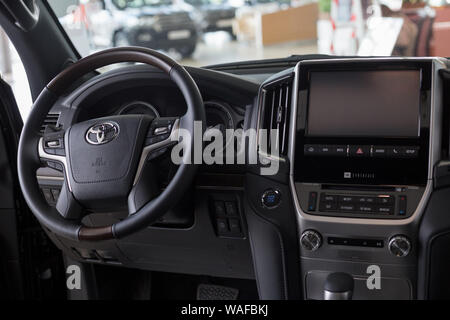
x: 102, y: 133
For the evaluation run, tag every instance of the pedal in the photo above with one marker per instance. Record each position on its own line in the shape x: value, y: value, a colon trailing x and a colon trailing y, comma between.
x: 213, y: 292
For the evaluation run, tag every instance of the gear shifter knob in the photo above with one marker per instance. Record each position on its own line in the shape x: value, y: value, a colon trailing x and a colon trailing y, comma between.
x: 338, y: 286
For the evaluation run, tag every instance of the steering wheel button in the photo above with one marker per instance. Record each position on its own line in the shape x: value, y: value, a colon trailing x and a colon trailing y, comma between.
x: 156, y: 139
x: 53, y: 144
x: 50, y: 151
x: 60, y: 152
x: 161, y: 130
x: 55, y: 165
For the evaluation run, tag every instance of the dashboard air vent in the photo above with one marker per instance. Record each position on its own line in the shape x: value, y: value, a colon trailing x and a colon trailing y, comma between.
x: 51, y: 119
x: 275, y: 111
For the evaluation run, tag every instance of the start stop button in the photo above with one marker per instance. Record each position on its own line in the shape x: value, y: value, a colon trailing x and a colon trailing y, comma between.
x: 271, y: 198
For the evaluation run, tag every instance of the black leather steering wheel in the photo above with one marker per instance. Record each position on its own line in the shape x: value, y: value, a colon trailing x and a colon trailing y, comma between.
x: 105, y: 160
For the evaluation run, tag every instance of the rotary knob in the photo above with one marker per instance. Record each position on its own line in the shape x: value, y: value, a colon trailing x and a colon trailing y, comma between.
x: 399, y: 246
x: 311, y: 240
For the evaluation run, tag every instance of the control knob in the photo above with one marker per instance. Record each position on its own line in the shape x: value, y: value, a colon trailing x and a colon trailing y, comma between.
x: 399, y: 246
x: 311, y: 240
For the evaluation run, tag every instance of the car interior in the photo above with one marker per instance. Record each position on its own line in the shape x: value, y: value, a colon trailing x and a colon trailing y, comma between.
x: 361, y: 148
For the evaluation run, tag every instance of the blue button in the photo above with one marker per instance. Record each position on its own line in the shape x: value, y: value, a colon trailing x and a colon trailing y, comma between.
x: 271, y: 198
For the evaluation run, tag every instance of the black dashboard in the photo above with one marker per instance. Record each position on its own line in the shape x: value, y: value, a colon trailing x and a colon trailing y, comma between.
x: 359, y: 145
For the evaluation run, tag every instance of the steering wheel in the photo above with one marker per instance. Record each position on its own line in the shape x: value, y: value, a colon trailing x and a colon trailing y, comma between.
x: 105, y: 160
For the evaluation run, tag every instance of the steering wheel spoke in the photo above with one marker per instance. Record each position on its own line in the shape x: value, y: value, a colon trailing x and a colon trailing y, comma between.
x: 67, y: 206
x: 162, y: 134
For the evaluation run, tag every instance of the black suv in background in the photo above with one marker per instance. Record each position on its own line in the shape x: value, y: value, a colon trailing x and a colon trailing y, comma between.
x: 158, y: 24
x: 213, y: 15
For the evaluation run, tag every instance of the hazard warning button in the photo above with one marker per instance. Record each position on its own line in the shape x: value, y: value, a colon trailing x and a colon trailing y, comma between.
x: 359, y: 151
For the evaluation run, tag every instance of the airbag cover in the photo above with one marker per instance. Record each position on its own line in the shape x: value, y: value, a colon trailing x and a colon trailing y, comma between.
x: 102, y: 165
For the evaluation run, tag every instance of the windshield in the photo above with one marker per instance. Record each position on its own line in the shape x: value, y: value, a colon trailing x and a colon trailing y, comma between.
x: 202, y: 2
x: 123, y: 4
x: 240, y: 30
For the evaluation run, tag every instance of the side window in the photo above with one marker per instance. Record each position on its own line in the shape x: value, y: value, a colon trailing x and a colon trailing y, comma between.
x: 13, y: 72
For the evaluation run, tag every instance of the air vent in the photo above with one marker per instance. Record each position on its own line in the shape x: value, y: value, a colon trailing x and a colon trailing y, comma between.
x: 276, y: 108
x: 50, y: 120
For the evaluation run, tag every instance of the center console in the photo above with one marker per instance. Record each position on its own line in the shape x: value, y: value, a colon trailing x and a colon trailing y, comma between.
x: 364, y: 139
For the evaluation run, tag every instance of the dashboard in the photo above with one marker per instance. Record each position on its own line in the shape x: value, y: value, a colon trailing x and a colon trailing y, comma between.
x: 362, y: 156
x: 158, y: 101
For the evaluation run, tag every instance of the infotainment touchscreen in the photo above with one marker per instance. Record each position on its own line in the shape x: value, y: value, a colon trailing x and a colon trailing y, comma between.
x: 364, y: 104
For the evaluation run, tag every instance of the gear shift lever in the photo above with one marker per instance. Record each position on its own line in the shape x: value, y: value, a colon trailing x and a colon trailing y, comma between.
x: 338, y: 286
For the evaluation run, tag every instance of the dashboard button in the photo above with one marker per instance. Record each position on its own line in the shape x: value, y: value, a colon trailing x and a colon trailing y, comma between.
x: 340, y: 151
x: 327, y: 206
x: 386, y: 200
x: 325, y: 150
x: 346, y: 199
x: 410, y: 152
x: 379, y: 152
x: 312, y: 201
x: 365, y: 200
x: 377, y: 243
x: 402, y: 205
x: 328, y: 198
x: 394, y: 152
x: 271, y: 198
x: 230, y: 208
x: 235, y: 227
x: 346, y: 207
x: 222, y: 226
x: 312, y: 149
x: 365, y: 208
x: 385, y: 210
x: 219, y: 208
x: 359, y: 151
